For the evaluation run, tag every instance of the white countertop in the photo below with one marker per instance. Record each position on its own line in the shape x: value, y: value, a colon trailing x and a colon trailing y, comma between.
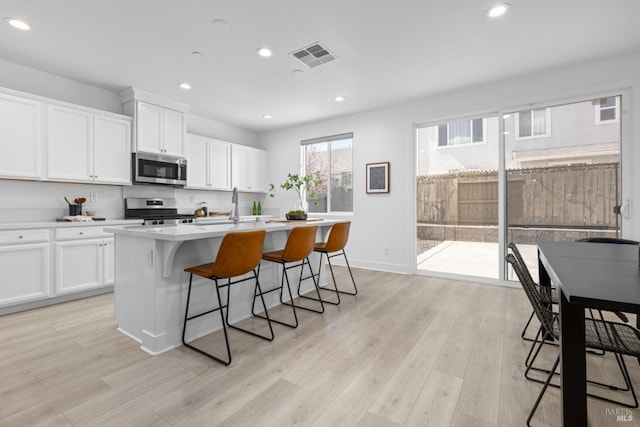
x: 184, y: 232
x: 57, y: 224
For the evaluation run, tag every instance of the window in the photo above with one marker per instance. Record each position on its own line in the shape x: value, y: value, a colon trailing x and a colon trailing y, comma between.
x: 331, y: 157
x: 607, y: 110
x: 460, y: 133
x: 533, y: 123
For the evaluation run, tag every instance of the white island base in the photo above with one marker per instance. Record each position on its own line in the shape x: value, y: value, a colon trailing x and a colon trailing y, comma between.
x: 151, y: 285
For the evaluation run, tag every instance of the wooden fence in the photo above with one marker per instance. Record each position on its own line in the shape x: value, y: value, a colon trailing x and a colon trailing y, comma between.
x: 582, y: 196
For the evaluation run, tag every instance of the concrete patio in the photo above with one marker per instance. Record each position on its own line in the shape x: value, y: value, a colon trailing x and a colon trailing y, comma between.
x: 472, y: 259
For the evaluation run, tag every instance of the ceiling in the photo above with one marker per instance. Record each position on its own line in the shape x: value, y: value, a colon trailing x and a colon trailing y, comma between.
x: 388, y: 51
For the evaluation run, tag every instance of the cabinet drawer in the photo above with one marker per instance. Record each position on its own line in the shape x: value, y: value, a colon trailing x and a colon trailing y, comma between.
x: 75, y: 233
x: 24, y: 236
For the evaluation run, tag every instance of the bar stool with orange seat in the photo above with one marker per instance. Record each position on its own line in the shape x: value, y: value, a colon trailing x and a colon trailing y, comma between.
x: 239, y: 254
x: 334, y: 246
x: 297, y: 250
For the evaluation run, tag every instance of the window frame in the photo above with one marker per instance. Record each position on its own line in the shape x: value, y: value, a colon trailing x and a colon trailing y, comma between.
x: 616, y: 108
x: 303, y: 162
x: 547, y: 128
x: 468, y: 144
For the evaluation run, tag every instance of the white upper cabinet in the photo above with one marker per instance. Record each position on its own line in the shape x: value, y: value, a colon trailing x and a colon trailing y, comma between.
x: 197, y: 162
x: 174, y: 132
x: 248, y: 168
x: 112, y: 149
x: 149, y: 128
x: 159, y: 123
x: 82, y: 146
x: 20, y: 137
x: 220, y: 164
x: 75, y: 143
x: 159, y: 130
x: 208, y: 163
x: 69, y: 144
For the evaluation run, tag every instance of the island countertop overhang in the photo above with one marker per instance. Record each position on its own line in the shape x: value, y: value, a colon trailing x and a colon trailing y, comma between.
x: 181, y: 233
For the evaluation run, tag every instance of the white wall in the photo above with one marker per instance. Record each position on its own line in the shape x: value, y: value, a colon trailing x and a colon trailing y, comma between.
x: 28, y: 201
x: 218, y: 130
x: 36, y: 82
x: 388, y: 134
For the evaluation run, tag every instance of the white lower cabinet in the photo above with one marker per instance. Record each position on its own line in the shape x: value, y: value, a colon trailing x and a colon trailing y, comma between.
x: 37, y: 265
x: 85, y: 262
x: 24, y: 266
x: 25, y: 273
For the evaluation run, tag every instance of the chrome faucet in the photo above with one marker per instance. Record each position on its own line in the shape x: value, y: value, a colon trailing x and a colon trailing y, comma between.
x: 234, y: 199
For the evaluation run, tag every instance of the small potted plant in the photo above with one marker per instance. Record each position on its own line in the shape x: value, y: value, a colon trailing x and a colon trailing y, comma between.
x: 303, y: 184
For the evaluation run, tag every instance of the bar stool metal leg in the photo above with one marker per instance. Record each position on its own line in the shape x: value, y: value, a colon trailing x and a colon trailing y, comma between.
x: 315, y: 279
x: 264, y: 305
x: 222, y: 319
x: 284, y: 277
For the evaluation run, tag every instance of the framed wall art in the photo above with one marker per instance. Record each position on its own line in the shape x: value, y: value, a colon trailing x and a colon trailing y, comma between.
x: 378, y: 177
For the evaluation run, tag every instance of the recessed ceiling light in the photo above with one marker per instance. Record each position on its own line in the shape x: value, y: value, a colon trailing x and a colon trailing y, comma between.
x: 497, y: 10
x: 506, y: 116
x: 17, y: 23
x: 220, y: 24
x: 297, y: 72
x: 339, y: 98
x: 184, y: 85
x: 267, y: 116
x: 197, y: 53
x: 265, y: 52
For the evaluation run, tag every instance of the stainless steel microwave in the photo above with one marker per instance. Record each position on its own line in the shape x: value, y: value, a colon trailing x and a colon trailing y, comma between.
x: 159, y: 169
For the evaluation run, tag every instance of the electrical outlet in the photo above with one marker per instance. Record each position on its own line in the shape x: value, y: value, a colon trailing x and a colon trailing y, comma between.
x: 93, y: 197
x: 385, y: 251
x: 192, y: 199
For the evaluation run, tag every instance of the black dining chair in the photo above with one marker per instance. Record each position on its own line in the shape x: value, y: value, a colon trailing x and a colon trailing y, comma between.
x: 617, y: 338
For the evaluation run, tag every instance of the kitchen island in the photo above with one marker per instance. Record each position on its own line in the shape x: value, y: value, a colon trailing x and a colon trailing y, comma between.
x: 151, y: 285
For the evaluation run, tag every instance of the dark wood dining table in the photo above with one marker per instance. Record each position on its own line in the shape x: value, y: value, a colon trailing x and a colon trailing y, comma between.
x: 589, y: 275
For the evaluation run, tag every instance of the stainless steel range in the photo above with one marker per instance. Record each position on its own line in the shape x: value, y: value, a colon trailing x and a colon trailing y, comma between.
x: 156, y: 211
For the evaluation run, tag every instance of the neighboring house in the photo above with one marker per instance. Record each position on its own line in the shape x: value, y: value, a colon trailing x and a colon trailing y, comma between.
x: 577, y: 133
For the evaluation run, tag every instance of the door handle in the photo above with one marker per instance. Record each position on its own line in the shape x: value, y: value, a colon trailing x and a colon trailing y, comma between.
x: 623, y: 209
x: 626, y: 209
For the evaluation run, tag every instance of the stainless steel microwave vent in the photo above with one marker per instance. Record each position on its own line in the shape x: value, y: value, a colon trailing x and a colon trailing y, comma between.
x: 314, y: 55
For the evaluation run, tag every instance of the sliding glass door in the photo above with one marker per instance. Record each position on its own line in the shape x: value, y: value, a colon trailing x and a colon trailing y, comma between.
x: 563, y: 169
x: 457, y: 197
x: 560, y: 179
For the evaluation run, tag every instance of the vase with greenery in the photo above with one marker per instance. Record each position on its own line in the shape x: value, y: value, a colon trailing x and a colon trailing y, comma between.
x: 305, y: 186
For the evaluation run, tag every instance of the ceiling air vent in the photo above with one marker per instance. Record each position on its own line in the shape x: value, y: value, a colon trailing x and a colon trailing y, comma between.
x: 314, y: 55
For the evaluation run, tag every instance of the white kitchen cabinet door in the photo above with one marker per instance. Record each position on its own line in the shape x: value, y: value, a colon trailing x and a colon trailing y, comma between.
x: 239, y: 167
x: 20, y: 137
x: 197, y: 162
x: 248, y: 168
x: 257, y: 170
x: 219, y: 165
x: 112, y: 150
x: 149, y: 127
x: 69, y: 144
x: 173, y: 135
x: 108, y: 262
x: 25, y: 273
x: 78, y: 265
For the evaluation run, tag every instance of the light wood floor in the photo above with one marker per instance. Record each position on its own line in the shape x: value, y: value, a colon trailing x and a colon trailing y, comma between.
x: 407, y: 351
